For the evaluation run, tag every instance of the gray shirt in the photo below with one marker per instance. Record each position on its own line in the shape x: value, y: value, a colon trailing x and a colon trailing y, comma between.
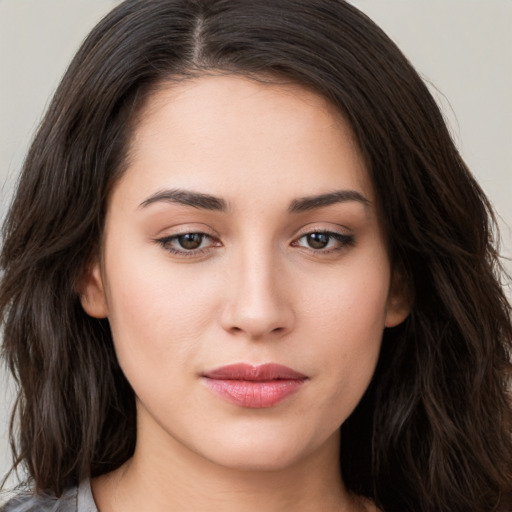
x: 74, y: 499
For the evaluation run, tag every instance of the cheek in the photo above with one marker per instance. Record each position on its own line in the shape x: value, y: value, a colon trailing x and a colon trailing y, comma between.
x: 157, y: 316
x: 351, y: 303
x: 158, y: 332
x: 348, y: 320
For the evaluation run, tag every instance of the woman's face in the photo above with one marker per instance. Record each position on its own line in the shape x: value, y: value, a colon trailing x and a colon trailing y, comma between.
x: 244, y: 233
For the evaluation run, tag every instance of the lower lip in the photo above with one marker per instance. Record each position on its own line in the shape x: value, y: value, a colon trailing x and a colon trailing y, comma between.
x: 254, y: 394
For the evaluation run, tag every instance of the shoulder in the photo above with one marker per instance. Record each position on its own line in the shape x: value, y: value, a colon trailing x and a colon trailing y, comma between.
x: 27, y: 502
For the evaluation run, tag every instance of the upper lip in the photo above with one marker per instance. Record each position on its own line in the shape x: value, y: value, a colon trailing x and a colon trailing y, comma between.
x: 259, y: 373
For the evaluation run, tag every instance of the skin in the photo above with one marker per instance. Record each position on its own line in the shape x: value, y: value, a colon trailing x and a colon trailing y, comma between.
x: 254, y: 291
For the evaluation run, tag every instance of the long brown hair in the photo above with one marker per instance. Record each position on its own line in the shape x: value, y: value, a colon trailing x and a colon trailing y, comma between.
x: 433, y: 431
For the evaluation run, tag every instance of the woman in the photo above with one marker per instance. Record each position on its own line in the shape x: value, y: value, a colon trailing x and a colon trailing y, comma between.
x: 246, y: 267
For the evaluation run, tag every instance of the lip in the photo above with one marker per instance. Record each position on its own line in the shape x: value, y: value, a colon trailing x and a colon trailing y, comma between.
x: 254, y: 387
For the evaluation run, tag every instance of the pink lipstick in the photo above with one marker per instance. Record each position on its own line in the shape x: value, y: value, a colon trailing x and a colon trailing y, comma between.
x: 255, y: 387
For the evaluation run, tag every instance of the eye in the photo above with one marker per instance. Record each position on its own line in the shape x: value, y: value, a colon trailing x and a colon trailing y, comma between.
x: 187, y: 243
x: 325, y: 241
x: 190, y: 241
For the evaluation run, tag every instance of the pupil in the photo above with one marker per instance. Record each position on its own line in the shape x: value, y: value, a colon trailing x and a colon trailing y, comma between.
x: 190, y: 240
x: 318, y: 240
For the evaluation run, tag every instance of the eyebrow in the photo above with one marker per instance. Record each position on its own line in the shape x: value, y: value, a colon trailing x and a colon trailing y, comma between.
x: 187, y: 198
x: 323, y: 200
x: 208, y: 202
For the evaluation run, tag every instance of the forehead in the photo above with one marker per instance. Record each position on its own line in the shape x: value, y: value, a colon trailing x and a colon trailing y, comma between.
x: 213, y: 131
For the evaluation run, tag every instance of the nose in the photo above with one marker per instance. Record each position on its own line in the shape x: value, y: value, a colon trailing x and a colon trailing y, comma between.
x: 258, y: 303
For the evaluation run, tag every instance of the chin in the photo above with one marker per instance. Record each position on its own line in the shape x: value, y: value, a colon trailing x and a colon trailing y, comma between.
x: 257, y: 460
x: 263, y: 451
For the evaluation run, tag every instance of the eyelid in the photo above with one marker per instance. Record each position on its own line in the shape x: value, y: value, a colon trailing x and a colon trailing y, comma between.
x: 323, y: 227
x: 183, y: 228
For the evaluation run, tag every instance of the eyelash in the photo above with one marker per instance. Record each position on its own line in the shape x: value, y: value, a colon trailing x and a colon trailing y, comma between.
x: 344, y: 240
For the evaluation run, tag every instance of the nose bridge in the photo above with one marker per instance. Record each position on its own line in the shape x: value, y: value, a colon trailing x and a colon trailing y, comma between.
x: 257, y: 303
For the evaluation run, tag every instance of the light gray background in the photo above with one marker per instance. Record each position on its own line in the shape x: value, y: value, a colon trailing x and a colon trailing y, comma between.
x: 464, y: 47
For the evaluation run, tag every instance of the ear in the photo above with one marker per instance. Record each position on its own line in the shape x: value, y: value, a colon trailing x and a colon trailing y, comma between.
x: 400, y: 299
x: 92, y: 292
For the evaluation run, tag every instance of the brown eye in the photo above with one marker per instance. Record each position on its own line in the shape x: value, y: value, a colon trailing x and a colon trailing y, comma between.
x: 318, y: 240
x: 190, y: 241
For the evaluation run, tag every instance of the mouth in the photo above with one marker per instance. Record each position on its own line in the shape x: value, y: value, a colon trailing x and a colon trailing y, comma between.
x: 254, y: 387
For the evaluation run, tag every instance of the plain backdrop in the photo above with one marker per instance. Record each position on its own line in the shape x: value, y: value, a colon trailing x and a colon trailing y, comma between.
x: 462, y: 48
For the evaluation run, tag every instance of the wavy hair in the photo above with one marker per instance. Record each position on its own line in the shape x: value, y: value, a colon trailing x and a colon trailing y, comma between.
x: 433, y: 430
